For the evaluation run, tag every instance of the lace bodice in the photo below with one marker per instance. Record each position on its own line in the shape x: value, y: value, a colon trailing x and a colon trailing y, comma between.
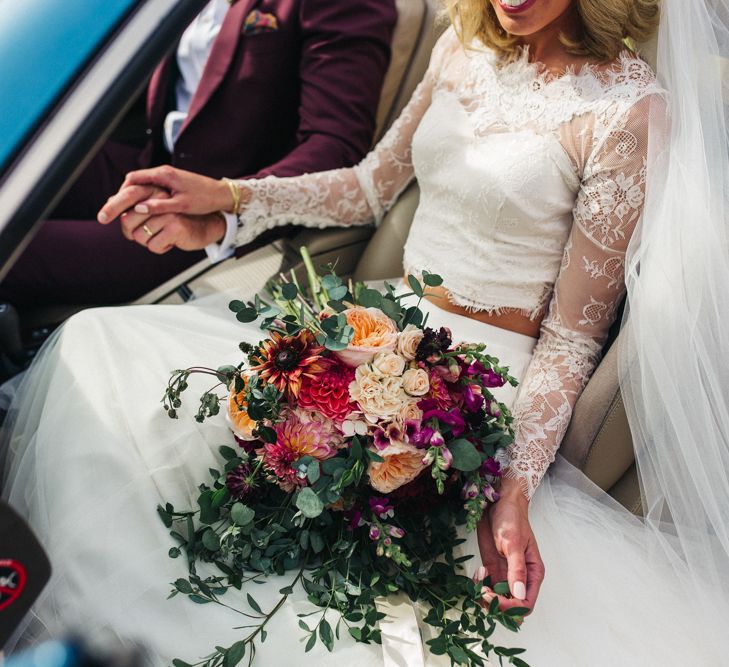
x: 531, y: 186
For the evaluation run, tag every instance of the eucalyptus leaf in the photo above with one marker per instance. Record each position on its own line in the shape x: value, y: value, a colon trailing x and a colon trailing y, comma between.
x: 235, y: 654
x: 465, y: 456
x: 211, y: 540
x: 415, y: 286
x: 309, y: 503
x: 247, y: 315
x: 241, y: 514
x: 338, y: 292
x: 289, y: 291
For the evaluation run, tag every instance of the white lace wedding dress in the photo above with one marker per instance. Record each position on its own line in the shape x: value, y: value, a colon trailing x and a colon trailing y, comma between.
x: 531, y: 187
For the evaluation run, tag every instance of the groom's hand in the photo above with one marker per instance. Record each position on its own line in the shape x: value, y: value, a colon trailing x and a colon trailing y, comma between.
x: 160, y: 233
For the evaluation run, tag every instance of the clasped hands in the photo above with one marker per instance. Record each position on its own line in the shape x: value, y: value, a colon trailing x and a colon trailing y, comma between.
x: 164, y: 208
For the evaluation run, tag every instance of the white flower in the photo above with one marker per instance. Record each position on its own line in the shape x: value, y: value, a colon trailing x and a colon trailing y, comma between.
x: 377, y: 394
x: 389, y: 363
x: 411, y: 412
x: 408, y: 341
x: 415, y: 382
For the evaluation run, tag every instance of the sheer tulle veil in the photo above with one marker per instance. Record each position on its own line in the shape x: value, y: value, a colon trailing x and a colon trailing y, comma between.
x: 674, y: 355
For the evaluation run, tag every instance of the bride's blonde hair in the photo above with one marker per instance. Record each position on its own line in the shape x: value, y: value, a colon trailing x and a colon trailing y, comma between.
x: 606, y: 24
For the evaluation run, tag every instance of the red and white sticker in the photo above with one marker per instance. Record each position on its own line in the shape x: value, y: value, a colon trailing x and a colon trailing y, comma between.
x: 12, y: 582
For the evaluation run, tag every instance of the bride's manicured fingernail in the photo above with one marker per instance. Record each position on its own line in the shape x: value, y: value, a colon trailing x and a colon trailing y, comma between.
x: 102, y: 217
x: 519, y: 590
x: 141, y: 208
x: 480, y: 573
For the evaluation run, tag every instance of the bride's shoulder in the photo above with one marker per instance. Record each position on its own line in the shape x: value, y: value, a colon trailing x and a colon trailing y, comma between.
x: 629, y: 77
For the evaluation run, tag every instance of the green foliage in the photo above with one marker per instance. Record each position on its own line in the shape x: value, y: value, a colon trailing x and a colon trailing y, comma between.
x: 342, y: 568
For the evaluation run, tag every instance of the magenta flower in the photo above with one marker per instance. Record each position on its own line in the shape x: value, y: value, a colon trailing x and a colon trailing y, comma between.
x: 381, y: 507
x: 492, y: 379
x: 380, y: 438
x: 445, y: 460
x: 374, y: 533
x: 491, y: 467
x: 354, y: 518
x: 490, y: 493
x: 395, y: 531
x: 469, y: 491
x: 472, y: 397
x: 453, y: 417
x: 436, y: 440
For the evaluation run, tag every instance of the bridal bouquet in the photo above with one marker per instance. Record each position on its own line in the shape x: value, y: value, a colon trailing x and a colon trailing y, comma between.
x: 363, y: 438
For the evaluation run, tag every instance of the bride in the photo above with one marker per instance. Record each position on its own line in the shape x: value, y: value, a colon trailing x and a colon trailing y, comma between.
x: 540, y: 142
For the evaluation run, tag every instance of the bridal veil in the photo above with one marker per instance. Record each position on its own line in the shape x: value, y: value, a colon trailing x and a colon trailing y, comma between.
x: 674, y: 355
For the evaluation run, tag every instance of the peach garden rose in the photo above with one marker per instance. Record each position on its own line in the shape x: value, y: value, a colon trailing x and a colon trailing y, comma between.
x: 373, y: 332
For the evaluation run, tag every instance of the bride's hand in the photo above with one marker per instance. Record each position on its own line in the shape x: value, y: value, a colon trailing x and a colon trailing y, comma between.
x: 509, y: 549
x: 189, y: 193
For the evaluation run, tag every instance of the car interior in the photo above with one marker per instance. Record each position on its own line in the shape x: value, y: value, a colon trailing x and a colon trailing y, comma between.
x: 598, y: 440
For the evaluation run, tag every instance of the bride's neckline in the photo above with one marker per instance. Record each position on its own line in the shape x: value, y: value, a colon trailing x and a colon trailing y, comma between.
x: 520, y: 67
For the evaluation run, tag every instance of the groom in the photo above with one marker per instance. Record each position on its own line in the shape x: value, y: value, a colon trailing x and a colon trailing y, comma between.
x: 254, y: 87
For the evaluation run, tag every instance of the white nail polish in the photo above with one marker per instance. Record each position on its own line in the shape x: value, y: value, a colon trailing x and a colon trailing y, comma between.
x: 519, y: 590
x: 141, y: 208
x: 102, y: 218
x: 481, y: 573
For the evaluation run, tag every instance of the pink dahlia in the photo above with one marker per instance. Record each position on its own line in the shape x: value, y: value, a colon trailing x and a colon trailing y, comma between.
x: 298, y: 436
x: 328, y: 392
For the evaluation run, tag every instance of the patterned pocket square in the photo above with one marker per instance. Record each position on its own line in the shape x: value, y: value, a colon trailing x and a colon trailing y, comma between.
x: 257, y: 22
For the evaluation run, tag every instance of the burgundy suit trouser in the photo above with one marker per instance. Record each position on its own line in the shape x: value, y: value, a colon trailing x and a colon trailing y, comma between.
x: 75, y: 260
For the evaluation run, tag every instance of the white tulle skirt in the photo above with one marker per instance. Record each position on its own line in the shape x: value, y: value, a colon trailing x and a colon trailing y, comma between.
x: 90, y: 453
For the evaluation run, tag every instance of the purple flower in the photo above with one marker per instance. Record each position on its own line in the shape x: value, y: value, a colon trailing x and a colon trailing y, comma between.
x: 436, y: 440
x: 395, y: 531
x: 429, y: 457
x: 469, y: 491
x: 387, y: 541
x: 381, y: 507
x: 493, y: 409
x: 248, y: 446
x: 492, y: 379
x: 453, y: 418
x: 374, y: 533
x: 445, y: 460
x: 412, y: 430
x: 490, y: 493
x: 472, y: 398
x: 238, y: 481
x: 422, y: 438
x: 433, y: 344
x: 354, y: 517
x: 491, y: 467
x: 380, y: 439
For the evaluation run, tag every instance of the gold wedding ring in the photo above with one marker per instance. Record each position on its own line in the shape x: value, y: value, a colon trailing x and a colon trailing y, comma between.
x: 147, y: 231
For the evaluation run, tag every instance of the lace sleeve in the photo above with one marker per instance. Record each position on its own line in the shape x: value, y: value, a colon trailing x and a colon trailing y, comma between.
x: 357, y: 195
x: 587, y: 294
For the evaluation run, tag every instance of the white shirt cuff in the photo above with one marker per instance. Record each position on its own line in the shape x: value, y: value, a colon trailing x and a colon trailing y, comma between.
x: 217, y: 252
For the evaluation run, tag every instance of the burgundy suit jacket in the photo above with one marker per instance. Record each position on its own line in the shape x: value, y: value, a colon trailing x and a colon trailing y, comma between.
x: 298, y: 99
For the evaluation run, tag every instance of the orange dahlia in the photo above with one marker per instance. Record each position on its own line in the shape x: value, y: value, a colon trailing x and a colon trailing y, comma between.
x: 240, y: 423
x: 285, y: 360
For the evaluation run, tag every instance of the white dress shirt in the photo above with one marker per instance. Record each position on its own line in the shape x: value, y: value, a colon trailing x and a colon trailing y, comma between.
x: 192, y: 55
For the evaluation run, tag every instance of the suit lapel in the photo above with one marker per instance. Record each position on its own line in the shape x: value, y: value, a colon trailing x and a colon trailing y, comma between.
x: 220, y: 58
